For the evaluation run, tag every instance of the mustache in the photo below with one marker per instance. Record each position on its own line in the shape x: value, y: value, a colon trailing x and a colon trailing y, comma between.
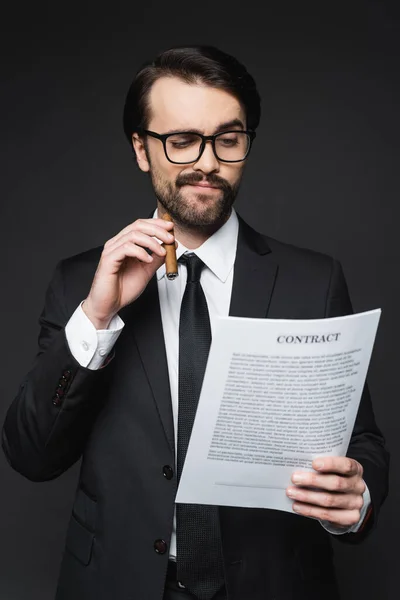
x: 193, y: 178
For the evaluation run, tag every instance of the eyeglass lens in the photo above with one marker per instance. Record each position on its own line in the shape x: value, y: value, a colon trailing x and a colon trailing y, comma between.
x: 185, y: 147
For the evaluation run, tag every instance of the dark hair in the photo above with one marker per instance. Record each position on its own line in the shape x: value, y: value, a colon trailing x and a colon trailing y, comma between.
x: 192, y: 64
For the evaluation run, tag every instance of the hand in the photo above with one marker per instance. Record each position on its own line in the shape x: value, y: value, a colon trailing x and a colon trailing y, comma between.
x: 337, y: 494
x: 125, y: 268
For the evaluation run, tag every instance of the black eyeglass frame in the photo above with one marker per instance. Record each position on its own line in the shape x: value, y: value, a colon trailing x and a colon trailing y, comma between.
x: 204, y: 139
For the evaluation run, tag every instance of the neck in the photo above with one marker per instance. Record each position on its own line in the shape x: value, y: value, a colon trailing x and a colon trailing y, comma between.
x: 192, y: 237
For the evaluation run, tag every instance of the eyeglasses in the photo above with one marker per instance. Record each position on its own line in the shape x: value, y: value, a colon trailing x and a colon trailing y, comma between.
x: 186, y: 147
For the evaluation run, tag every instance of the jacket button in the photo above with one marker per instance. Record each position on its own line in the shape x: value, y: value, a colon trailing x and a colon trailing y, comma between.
x: 67, y: 374
x: 168, y: 472
x: 160, y: 546
x: 56, y: 400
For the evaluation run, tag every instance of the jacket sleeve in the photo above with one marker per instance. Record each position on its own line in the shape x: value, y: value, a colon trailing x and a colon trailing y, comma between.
x: 367, y: 444
x: 48, y: 422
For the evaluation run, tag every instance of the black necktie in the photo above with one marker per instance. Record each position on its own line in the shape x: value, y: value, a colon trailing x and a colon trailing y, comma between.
x: 199, y: 554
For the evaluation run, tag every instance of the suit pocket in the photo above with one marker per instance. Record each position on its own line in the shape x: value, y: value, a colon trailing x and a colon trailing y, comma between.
x: 82, y: 526
x: 79, y: 541
x: 85, y: 510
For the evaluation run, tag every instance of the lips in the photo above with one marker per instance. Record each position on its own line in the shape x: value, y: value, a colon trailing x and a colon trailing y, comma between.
x: 202, y: 185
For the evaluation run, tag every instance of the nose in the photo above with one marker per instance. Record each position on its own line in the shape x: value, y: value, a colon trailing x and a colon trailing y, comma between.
x: 208, y: 162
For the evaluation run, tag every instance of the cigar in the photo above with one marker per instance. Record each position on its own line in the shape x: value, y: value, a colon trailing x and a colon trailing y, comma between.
x: 171, y: 265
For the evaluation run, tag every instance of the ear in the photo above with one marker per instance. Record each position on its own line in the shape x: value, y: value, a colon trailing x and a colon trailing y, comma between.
x: 140, y: 151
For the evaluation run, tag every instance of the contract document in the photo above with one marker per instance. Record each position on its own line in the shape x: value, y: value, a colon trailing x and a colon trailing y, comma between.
x: 276, y: 394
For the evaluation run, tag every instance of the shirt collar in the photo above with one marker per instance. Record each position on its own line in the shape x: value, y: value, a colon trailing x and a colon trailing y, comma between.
x: 218, y: 252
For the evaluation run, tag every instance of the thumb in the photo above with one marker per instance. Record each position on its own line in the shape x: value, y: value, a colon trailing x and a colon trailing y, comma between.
x: 156, y: 262
x: 171, y: 253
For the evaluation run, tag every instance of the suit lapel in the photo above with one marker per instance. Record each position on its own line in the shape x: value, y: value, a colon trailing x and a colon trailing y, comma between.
x: 254, y: 275
x: 253, y: 282
x: 143, y: 319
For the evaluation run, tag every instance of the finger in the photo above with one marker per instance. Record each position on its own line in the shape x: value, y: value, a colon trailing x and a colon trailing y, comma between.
x: 326, y: 499
x: 156, y: 234
x: 140, y: 239
x: 128, y: 249
x: 344, y: 518
x: 153, y: 227
x: 329, y: 481
x: 146, y: 225
x: 338, y: 464
x: 158, y: 231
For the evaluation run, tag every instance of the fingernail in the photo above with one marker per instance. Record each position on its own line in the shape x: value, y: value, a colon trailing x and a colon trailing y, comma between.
x: 318, y: 464
x: 292, y: 493
x: 296, y: 507
x: 297, y: 477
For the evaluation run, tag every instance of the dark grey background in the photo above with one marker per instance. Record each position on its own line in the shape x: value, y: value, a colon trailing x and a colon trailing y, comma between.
x: 323, y: 174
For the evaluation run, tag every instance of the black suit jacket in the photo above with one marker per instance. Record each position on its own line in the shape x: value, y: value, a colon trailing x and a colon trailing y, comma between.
x: 119, y: 419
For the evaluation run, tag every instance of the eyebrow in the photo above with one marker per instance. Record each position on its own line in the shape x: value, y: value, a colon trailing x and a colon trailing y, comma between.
x: 221, y: 127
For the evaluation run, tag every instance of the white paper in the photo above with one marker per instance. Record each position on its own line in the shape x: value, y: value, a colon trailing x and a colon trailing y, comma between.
x: 276, y: 394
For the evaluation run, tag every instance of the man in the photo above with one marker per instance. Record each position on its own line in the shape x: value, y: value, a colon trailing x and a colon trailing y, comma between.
x: 122, y: 352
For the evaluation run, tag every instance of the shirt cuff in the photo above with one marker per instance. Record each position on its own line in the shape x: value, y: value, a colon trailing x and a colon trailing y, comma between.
x: 88, y: 345
x: 337, y: 530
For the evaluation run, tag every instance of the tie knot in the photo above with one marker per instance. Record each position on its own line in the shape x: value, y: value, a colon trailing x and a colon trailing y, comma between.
x: 194, y: 266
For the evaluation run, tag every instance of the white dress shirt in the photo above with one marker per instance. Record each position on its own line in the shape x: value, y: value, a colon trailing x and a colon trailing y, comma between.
x: 90, y: 347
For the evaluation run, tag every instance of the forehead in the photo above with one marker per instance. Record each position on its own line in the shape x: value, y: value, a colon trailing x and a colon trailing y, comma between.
x: 177, y: 105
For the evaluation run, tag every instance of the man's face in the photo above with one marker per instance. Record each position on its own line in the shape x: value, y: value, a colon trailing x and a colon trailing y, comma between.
x: 178, y: 106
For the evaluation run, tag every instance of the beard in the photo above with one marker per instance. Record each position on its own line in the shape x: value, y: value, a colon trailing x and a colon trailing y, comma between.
x: 208, y: 210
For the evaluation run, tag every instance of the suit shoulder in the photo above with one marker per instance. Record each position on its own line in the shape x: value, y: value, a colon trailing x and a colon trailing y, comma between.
x: 284, y: 253
x: 309, y: 268
x: 81, y: 262
x: 75, y: 276
x: 298, y: 254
